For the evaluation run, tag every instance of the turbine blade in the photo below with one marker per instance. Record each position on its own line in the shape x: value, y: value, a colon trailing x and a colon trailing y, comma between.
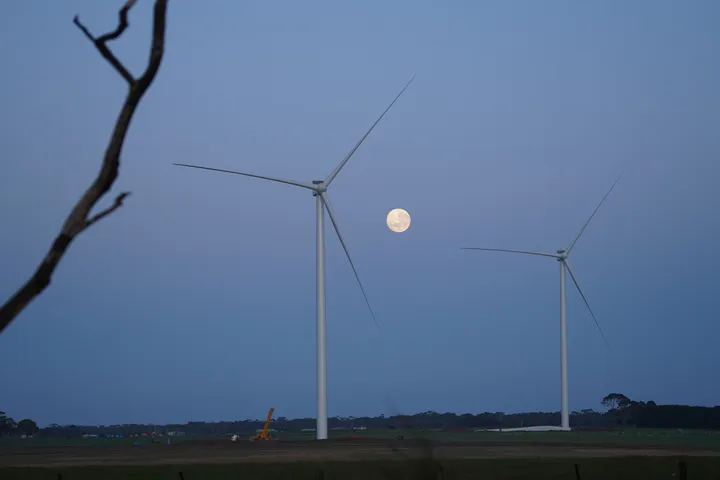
x: 540, y: 254
x: 593, y: 214
x: 577, y: 285
x: 331, y: 214
x: 279, y: 180
x: 334, y: 173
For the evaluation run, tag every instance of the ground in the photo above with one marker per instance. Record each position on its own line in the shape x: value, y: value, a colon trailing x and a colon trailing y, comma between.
x: 225, y: 451
x: 632, y: 455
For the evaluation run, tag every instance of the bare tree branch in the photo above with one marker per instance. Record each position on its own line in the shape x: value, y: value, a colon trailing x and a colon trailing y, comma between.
x: 80, y: 217
x: 99, y: 216
x: 100, y: 42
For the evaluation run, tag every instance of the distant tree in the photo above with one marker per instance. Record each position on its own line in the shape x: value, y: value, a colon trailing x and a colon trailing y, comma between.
x: 81, y: 216
x: 620, y: 407
x: 616, y: 401
x: 6, y: 424
x: 27, y: 427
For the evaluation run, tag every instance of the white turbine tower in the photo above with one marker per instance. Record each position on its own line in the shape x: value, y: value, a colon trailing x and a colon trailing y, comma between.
x: 562, y: 257
x: 322, y: 203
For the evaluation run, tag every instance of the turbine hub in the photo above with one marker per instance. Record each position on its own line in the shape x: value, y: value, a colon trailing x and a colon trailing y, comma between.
x: 320, y: 186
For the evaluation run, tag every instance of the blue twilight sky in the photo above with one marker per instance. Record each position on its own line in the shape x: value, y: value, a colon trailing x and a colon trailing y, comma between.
x: 196, y: 301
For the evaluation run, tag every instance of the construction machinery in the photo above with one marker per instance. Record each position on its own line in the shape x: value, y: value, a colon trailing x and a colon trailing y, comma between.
x: 264, y: 435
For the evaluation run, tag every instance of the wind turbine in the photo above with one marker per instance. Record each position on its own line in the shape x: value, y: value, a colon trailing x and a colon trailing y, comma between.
x: 322, y: 203
x: 562, y: 257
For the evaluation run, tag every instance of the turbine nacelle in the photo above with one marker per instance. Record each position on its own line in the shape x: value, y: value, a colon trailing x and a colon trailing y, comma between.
x: 319, y: 187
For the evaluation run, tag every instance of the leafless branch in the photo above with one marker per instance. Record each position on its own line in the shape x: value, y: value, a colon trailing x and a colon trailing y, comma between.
x: 99, y: 216
x: 101, y: 42
x: 80, y: 217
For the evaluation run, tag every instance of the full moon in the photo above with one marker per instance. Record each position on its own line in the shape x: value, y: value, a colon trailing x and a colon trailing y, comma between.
x: 398, y: 220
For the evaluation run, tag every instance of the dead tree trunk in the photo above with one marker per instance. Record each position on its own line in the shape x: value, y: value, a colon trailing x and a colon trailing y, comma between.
x: 81, y: 217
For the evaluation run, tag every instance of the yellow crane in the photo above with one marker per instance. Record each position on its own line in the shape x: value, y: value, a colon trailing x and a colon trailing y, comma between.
x: 264, y: 435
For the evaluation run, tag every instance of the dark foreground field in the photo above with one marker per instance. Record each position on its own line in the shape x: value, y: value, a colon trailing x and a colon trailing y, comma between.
x: 355, y: 459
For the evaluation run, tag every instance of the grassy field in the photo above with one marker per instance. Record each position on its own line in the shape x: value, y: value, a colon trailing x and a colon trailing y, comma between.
x: 680, y: 438
x: 707, y: 439
x: 630, y: 468
x: 213, y: 465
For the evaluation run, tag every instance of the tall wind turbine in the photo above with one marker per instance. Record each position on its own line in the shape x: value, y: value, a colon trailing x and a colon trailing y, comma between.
x: 322, y: 203
x: 562, y: 257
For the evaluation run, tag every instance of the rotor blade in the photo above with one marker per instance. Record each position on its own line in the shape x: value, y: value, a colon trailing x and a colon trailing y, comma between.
x: 279, y: 180
x: 334, y: 173
x: 567, y: 265
x: 540, y: 254
x: 331, y: 214
x: 593, y: 214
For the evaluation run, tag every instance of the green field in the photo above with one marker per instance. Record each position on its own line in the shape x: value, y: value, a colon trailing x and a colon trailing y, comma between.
x: 630, y: 468
x: 682, y: 438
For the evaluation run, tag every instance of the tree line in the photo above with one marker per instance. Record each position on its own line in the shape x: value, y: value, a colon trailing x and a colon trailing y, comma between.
x: 621, y: 412
x: 9, y: 427
x: 626, y: 412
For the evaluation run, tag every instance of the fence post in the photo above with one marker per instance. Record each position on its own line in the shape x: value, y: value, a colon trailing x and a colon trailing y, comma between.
x: 181, y: 476
x: 577, y: 472
x: 321, y: 475
x: 59, y: 476
x: 682, y: 470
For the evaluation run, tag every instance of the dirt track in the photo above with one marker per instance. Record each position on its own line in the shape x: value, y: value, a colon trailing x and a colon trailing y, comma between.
x: 231, y: 452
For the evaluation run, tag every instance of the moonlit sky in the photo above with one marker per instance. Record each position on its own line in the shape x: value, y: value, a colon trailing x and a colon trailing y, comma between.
x: 196, y: 301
